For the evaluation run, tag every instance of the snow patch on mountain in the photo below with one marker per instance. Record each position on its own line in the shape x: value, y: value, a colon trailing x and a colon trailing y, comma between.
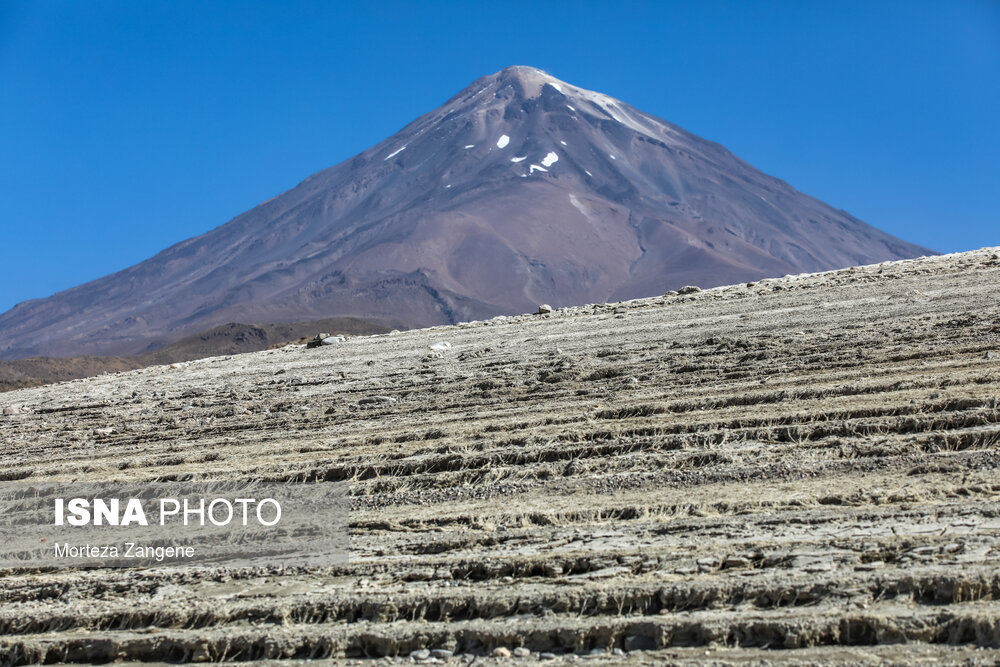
x: 578, y: 205
x: 394, y: 153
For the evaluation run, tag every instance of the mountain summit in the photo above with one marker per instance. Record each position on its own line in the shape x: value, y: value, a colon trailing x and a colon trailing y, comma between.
x: 519, y: 190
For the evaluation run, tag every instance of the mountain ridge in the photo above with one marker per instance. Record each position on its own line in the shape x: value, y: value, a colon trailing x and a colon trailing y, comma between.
x: 518, y: 190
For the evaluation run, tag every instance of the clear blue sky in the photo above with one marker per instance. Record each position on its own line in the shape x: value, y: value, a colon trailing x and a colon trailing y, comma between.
x: 128, y: 126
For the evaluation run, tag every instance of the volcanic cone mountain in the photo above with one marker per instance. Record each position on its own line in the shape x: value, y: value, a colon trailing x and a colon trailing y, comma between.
x: 519, y: 190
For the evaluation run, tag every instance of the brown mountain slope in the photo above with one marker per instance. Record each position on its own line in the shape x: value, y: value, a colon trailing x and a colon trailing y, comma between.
x: 520, y: 189
x: 232, y: 338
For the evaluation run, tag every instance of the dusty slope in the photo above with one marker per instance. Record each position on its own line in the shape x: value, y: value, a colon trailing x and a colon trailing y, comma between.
x: 804, y: 469
x: 521, y: 189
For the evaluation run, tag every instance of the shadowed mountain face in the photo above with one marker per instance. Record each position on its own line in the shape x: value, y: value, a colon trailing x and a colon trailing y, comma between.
x: 519, y: 190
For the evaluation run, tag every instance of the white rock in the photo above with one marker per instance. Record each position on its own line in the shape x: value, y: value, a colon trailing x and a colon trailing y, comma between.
x: 439, y: 346
x: 333, y: 340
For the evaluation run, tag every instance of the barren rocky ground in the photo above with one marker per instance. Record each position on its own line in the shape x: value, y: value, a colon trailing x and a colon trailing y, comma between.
x: 801, y: 470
